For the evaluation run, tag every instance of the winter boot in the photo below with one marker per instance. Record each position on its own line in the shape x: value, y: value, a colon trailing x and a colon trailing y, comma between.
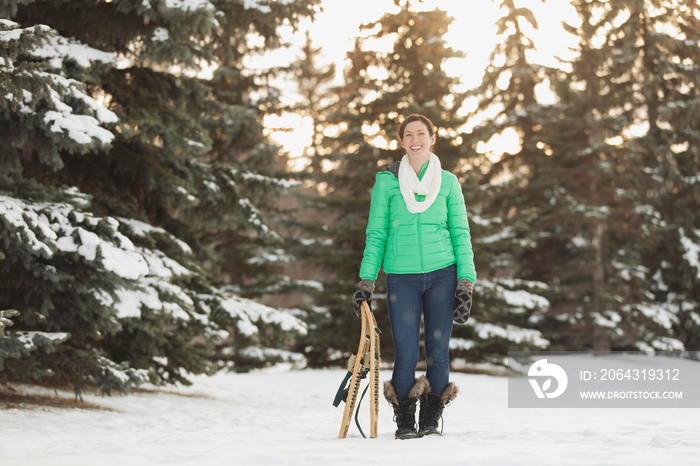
x: 405, y: 411
x: 431, y: 406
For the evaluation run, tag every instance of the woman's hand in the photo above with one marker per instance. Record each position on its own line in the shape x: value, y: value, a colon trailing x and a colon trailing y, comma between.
x: 363, y: 293
x: 463, y: 301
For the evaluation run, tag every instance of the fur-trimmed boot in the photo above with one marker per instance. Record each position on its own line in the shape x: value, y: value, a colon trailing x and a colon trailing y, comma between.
x: 431, y: 406
x: 405, y: 411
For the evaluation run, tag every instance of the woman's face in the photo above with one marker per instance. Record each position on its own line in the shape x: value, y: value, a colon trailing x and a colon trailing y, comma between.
x: 417, y: 140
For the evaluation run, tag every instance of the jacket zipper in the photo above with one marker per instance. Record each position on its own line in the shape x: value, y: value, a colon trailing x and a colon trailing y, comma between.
x: 420, y: 246
x: 420, y: 237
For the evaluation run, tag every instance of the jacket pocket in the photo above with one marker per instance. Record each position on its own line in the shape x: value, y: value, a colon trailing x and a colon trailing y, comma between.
x: 447, y: 242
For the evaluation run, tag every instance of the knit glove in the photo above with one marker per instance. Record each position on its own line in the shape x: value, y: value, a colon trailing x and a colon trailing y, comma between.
x: 462, y: 304
x: 363, y: 293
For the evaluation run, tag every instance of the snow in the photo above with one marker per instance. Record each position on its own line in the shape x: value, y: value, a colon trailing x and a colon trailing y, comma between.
x: 263, y: 354
x: 607, y: 319
x: 7, y: 23
x: 249, y: 312
x: 13, y: 212
x: 661, y: 313
x: 662, y: 344
x: 461, y: 344
x: 506, y: 233
x: 282, y: 183
x: 629, y: 272
x: 12, y: 35
x: 315, y: 242
x: 580, y: 242
x: 286, y: 417
x: 77, y: 126
x: 123, y: 260
x: 189, y: 6
x: 53, y: 226
x: 143, y: 229
x: 276, y: 256
x: 524, y: 299
x: 58, y: 49
x: 127, y: 264
x: 510, y: 332
x: 28, y: 338
x: 160, y: 35
x: 48, y: 228
x: 692, y: 251
x: 257, y: 5
x: 81, y: 128
x: 519, y: 300
x: 130, y: 302
x: 254, y: 218
x: 60, y: 117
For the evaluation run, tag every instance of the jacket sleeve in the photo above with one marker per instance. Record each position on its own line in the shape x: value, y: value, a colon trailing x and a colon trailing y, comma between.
x: 377, y: 229
x: 458, y: 224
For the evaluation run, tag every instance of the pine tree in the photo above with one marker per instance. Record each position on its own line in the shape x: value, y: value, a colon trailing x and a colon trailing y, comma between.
x: 585, y: 222
x: 313, y: 81
x: 662, y: 39
x: 510, y: 301
x: 299, y: 224
x: 611, y: 306
x: 589, y: 218
x: 135, y: 205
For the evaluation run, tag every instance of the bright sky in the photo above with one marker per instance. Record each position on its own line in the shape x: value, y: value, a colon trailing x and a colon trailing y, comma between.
x: 472, y: 32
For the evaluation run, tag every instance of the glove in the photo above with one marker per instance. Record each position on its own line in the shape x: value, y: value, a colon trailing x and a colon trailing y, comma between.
x: 462, y: 304
x: 363, y: 293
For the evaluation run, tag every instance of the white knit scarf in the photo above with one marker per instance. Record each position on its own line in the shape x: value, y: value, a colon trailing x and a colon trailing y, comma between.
x: 429, y: 186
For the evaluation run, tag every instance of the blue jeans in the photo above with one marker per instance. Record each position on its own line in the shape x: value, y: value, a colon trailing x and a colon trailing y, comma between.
x: 410, y: 296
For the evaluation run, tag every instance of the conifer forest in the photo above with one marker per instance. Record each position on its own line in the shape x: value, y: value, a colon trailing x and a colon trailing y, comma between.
x: 151, y: 228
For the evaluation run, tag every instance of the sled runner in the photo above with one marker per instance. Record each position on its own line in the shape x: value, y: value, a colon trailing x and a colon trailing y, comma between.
x: 359, y: 365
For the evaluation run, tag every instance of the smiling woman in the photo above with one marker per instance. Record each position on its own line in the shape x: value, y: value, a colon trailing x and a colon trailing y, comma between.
x: 418, y: 234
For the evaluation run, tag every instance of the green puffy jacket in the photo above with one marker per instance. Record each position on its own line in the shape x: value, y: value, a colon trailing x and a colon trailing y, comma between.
x: 417, y: 243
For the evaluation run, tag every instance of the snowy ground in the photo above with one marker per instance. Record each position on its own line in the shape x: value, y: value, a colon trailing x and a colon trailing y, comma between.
x: 287, y: 417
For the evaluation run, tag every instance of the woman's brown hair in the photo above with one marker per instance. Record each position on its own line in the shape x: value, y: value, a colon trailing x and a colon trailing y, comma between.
x: 411, y: 119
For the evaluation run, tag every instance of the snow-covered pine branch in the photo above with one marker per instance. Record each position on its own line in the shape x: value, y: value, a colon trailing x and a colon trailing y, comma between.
x: 40, y: 102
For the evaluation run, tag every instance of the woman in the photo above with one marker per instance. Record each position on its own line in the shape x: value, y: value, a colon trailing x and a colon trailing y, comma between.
x: 418, y: 229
